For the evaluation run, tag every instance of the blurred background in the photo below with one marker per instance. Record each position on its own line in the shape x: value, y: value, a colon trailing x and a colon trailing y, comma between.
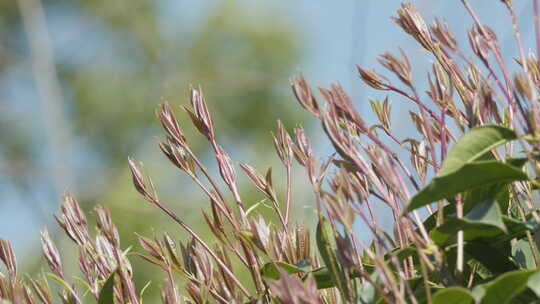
x: 80, y: 80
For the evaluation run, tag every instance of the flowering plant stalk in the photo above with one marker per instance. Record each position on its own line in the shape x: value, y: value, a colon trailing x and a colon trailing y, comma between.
x: 461, y: 191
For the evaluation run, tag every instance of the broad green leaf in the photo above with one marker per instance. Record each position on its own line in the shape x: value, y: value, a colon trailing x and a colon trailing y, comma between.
x: 453, y: 295
x: 270, y: 270
x: 506, y: 287
x: 483, y: 238
x: 468, y: 177
x: 492, y: 258
x: 418, y: 288
x: 305, y: 265
x: 522, y: 254
x: 402, y: 253
x: 487, y: 213
x: 492, y: 192
x: 534, y: 283
x: 518, y: 162
x: 498, y: 192
x: 106, y: 294
x: 445, y: 234
x: 474, y: 144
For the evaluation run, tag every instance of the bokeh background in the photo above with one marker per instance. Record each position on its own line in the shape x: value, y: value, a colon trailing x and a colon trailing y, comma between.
x: 80, y: 80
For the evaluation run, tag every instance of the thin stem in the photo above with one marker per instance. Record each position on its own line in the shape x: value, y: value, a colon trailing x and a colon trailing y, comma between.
x: 232, y: 187
x: 536, y: 20
x: 525, y: 66
x: 206, y: 173
x: 205, y: 246
x: 212, y: 197
x: 429, y: 132
x: 289, y: 189
x: 124, y: 276
x: 460, y: 253
x: 498, y: 57
x: 530, y: 239
x: 171, y: 281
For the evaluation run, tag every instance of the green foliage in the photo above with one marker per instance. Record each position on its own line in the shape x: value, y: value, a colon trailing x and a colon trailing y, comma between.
x: 474, y: 144
x: 453, y: 295
x: 468, y: 177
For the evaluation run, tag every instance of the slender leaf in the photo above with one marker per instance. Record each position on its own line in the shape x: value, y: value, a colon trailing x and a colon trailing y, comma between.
x: 323, y: 278
x: 327, y: 248
x: 270, y: 270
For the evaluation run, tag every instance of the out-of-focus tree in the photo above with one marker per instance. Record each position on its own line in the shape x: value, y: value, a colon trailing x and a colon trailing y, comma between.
x: 119, y: 60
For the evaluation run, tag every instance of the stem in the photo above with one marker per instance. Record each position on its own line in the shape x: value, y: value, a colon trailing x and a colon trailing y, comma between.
x: 536, y: 20
x: 530, y: 240
x: 459, y: 213
x: 289, y: 188
x: 500, y: 61
x: 206, y: 173
x: 525, y: 66
x: 430, y: 138
x: 205, y: 246
x: 212, y: 197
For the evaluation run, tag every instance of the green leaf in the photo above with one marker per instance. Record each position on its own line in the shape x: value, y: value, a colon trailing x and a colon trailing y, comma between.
x: 521, y: 251
x: 487, y: 213
x: 468, y: 177
x: 323, y: 278
x: 453, y: 295
x: 367, y: 294
x: 534, y: 283
x: 325, y: 241
x: 474, y: 144
x: 506, y: 286
x: 493, y: 259
x: 106, y: 294
x: 492, y: 192
x: 327, y: 248
x: 445, y: 234
x: 402, y: 253
x: 270, y: 270
x: 481, y: 238
x: 518, y: 162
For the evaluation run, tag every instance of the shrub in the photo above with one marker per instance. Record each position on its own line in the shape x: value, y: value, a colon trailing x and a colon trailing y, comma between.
x: 469, y: 170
